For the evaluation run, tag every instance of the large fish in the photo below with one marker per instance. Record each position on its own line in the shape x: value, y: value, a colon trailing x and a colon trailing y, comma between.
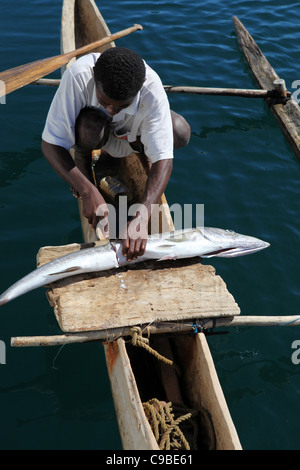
x: 202, y: 242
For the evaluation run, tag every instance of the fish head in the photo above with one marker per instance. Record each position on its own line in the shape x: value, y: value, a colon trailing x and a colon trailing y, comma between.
x: 230, y: 243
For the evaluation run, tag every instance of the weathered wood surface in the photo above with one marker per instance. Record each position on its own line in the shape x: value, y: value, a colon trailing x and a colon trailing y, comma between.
x: 288, y: 114
x: 157, y: 291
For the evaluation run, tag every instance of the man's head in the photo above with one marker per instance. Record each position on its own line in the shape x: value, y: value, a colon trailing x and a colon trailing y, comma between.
x: 91, y: 129
x: 119, y: 75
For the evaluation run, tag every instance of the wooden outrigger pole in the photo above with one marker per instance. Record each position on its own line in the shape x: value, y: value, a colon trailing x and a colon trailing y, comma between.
x: 161, y: 328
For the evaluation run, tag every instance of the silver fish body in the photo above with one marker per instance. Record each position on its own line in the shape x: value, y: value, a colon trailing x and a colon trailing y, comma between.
x: 202, y: 242
x: 84, y: 261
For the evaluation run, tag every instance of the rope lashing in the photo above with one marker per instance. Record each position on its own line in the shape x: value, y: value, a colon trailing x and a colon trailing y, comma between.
x: 139, y: 340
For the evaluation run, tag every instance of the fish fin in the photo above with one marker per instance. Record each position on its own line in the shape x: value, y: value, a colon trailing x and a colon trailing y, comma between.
x: 165, y: 258
x: 68, y: 270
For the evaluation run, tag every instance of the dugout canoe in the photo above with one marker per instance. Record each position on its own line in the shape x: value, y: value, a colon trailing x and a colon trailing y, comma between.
x: 134, y: 377
x: 286, y: 112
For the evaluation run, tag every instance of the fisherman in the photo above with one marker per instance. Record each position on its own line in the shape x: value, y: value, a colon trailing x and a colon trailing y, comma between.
x: 116, y: 102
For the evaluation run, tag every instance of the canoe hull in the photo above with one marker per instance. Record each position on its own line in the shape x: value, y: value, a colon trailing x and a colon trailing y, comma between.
x: 126, y: 381
x: 288, y: 114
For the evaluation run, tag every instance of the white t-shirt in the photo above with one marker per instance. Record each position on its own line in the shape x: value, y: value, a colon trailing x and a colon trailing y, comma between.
x: 148, y: 116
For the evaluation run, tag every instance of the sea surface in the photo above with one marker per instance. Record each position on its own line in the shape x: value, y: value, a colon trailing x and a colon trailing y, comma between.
x: 238, y: 164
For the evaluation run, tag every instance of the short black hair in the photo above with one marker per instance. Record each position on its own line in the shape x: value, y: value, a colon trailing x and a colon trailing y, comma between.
x: 121, y: 73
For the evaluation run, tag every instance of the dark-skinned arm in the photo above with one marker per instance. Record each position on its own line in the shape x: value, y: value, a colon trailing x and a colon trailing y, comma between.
x: 62, y: 162
x: 134, y: 244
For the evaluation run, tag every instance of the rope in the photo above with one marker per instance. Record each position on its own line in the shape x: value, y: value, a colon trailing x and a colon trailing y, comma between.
x: 139, y: 340
x: 165, y: 426
x: 95, y: 157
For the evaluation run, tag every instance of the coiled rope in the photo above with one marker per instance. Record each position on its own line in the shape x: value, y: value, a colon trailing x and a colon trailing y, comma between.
x: 165, y: 426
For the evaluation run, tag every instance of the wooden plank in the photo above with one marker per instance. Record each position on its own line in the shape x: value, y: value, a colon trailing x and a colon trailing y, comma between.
x: 162, y: 291
x: 288, y: 114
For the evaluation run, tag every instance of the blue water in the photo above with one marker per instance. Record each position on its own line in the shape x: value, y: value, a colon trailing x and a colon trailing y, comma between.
x: 237, y: 163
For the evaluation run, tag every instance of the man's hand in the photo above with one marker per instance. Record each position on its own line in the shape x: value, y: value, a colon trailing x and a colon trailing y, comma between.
x: 135, y: 238
x: 94, y: 208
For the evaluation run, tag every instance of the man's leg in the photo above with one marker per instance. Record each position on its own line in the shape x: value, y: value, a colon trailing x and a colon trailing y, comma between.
x: 181, y: 130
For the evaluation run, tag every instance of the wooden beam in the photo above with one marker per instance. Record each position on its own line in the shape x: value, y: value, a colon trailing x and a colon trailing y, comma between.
x: 160, y: 328
x: 192, y: 90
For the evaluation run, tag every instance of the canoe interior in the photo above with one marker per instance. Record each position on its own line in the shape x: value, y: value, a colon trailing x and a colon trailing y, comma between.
x: 81, y: 24
x: 84, y: 33
x: 194, y: 388
x: 137, y: 377
x: 158, y: 380
x: 130, y: 370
